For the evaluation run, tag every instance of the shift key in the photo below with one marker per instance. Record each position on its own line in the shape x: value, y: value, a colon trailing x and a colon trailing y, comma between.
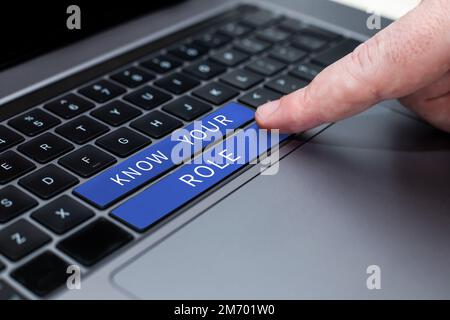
x: 159, y: 158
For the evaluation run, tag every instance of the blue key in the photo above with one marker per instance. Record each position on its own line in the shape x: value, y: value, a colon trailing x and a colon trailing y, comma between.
x: 150, y: 163
x: 192, y: 179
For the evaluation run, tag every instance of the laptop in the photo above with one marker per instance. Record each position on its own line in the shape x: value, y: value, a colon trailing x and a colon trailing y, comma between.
x: 93, y: 205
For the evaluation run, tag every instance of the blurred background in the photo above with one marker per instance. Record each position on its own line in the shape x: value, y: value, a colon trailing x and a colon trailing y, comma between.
x: 388, y: 8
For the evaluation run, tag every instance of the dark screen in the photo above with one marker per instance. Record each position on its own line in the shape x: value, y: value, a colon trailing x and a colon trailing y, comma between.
x: 30, y: 28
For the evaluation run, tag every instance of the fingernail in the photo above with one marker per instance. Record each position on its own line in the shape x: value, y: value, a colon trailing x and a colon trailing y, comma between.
x: 267, y: 109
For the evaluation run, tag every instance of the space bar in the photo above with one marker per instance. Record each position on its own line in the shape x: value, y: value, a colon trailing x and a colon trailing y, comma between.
x: 192, y: 179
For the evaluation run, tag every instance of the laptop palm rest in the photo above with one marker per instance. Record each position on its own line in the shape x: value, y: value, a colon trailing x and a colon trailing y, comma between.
x: 371, y: 190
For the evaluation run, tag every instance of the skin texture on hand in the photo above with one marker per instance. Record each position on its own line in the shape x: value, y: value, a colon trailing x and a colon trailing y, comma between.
x: 409, y: 60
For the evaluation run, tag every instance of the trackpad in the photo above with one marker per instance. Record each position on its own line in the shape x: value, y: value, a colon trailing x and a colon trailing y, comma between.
x: 371, y: 190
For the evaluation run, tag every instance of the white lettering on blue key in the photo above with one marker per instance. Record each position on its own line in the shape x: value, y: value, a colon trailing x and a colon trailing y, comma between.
x: 192, y: 179
x: 143, y: 167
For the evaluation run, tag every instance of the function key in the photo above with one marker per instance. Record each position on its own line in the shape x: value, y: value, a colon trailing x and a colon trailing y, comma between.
x: 48, y: 181
x: 123, y: 142
x: 102, y: 91
x: 161, y: 64
x: 259, y: 97
x: 82, y: 129
x: 242, y: 79
x: 8, y: 138
x: 229, y: 57
x: 20, y: 239
x: 273, y: 34
x: 45, y: 148
x: 87, y: 247
x: 266, y: 66
x: 286, y: 84
x: 87, y: 161
x: 188, y: 51
x: 177, y: 83
x: 156, y: 124
x: 308, y: 42
x: 307, y: 71
x: 43, y: 274
x: 260, y: 19
x: 187, y: 108
x: 9, y: 293
x: 212, y: 40
x: 132, y: 77
x: 13, y: 166
x: 62, y: 214
x: 147, y: 98
x: 205, y: 70
x: 252, y: 45
x: 116, y: 113
x: 290, y: 24
x: 34, y: 122
x: 235, y: 29
x: 69, y: 106
x: 215, y: 93
x: 287, y: 54
x: 13, y: 203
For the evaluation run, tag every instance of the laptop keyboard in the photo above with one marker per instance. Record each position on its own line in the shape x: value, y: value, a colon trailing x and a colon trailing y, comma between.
x: 57, y: 160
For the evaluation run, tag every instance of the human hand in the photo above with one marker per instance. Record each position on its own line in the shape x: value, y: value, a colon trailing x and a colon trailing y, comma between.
x: 409, y: 60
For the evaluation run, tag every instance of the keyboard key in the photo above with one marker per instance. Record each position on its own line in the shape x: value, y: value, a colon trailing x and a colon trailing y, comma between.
x: 43, y: 274
x: 192, y: 179
x: 212, y: 40
x: 320, y: 33
x: 123, y: 142
x: 205, y: 70
x: 307, y: 71
x: 87, y: 247
x: 161, y: 64
x: 9, y: 293
x: 20, y: 239
x: 132, y: 77
x: 188, y: 51
x: 229, y: 57
x: 82, y: 129
x: 62, y: 214
x: 266, y: 66
x: 48, y: 181
x: 2, y: 267
x: 252, y: 45
x: 187, y: 108
x: 102, y: 91
x: 146, y: 165
x: 13, y: 166
x: 235, y: 29
x: 45, y: 148
x: 286, y: 84
x: 87, y: 161
x: 260, y: 19
x: 8, y: 138
x: 69, y: 106
x: 242, y: 79
x: 287, y: 54
x: 148, y: 98
x: 290, y: 24
x: 156, y: 124
x: 13, y: 203
x: 259, y: 97
x: 34, y: 122
x: 215, y: 93
x: 273, y: 34
x: 177, y: 83
x: 337, y: 52
x: 116, y: 113
x: 308, y: 42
